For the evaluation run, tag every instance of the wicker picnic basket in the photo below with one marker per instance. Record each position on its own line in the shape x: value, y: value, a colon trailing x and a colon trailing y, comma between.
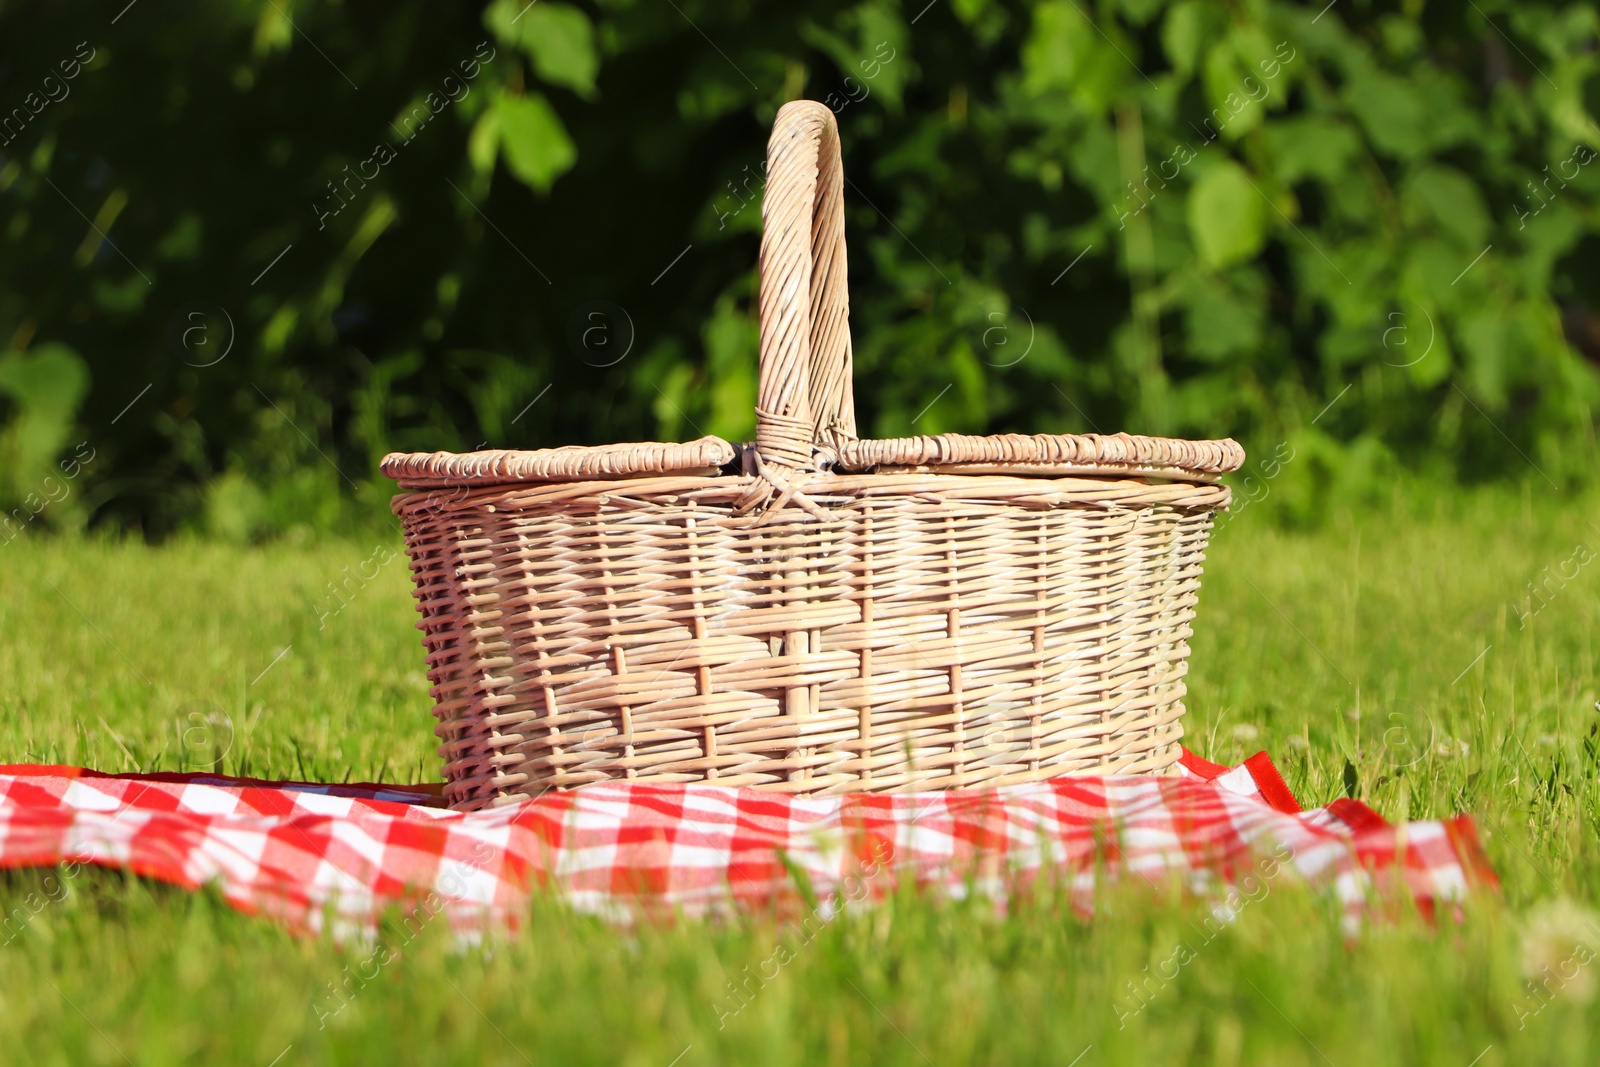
x: 810, y: 613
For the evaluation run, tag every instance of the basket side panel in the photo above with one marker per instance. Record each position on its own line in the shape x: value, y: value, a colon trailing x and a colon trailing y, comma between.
x: 641, y: 638
x: 449, y: 555
x: 945, y: 631
x: 1012, y: 643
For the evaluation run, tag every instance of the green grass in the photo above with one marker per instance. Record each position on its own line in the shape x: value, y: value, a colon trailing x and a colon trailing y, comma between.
x: 1354, y: 654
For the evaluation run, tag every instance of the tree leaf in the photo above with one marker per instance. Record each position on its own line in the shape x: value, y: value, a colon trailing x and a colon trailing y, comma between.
x: 1067, y: 53
x: 484, y: 141
x: 1234, y: 111
x: 1485, y: 337
x: 46, y: 385
x: 1226, y: 216
x: 557, y: 38
x: 1444, y: 198
x: 1183, y: 32
x: 536, y: 145
x: 1388, y: 107
x: 1310, y: 147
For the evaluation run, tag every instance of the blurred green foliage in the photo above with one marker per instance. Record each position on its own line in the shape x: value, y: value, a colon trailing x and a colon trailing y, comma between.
x: 251, y: 247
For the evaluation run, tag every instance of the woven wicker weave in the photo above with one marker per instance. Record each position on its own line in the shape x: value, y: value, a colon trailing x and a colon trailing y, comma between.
x: 811, y: 613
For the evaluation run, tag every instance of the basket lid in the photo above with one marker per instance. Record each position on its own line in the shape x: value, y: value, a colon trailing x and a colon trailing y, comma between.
x: 1046, y: 455
x: 1119, y: 454
x: 569, y: 463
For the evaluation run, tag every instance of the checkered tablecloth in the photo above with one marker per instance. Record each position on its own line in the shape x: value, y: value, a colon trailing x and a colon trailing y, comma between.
x: 309, y: 854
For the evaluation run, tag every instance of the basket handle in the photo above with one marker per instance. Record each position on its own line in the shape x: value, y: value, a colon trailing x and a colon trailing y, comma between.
x: 805, y: 395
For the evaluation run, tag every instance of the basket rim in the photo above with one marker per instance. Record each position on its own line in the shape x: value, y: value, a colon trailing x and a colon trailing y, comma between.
x: 1044, y: 455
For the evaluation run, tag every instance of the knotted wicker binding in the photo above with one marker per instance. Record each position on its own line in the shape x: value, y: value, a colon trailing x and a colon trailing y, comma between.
x: 810, y: 613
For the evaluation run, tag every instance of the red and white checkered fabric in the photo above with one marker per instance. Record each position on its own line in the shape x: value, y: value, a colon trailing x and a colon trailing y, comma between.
x: 306, y: 853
